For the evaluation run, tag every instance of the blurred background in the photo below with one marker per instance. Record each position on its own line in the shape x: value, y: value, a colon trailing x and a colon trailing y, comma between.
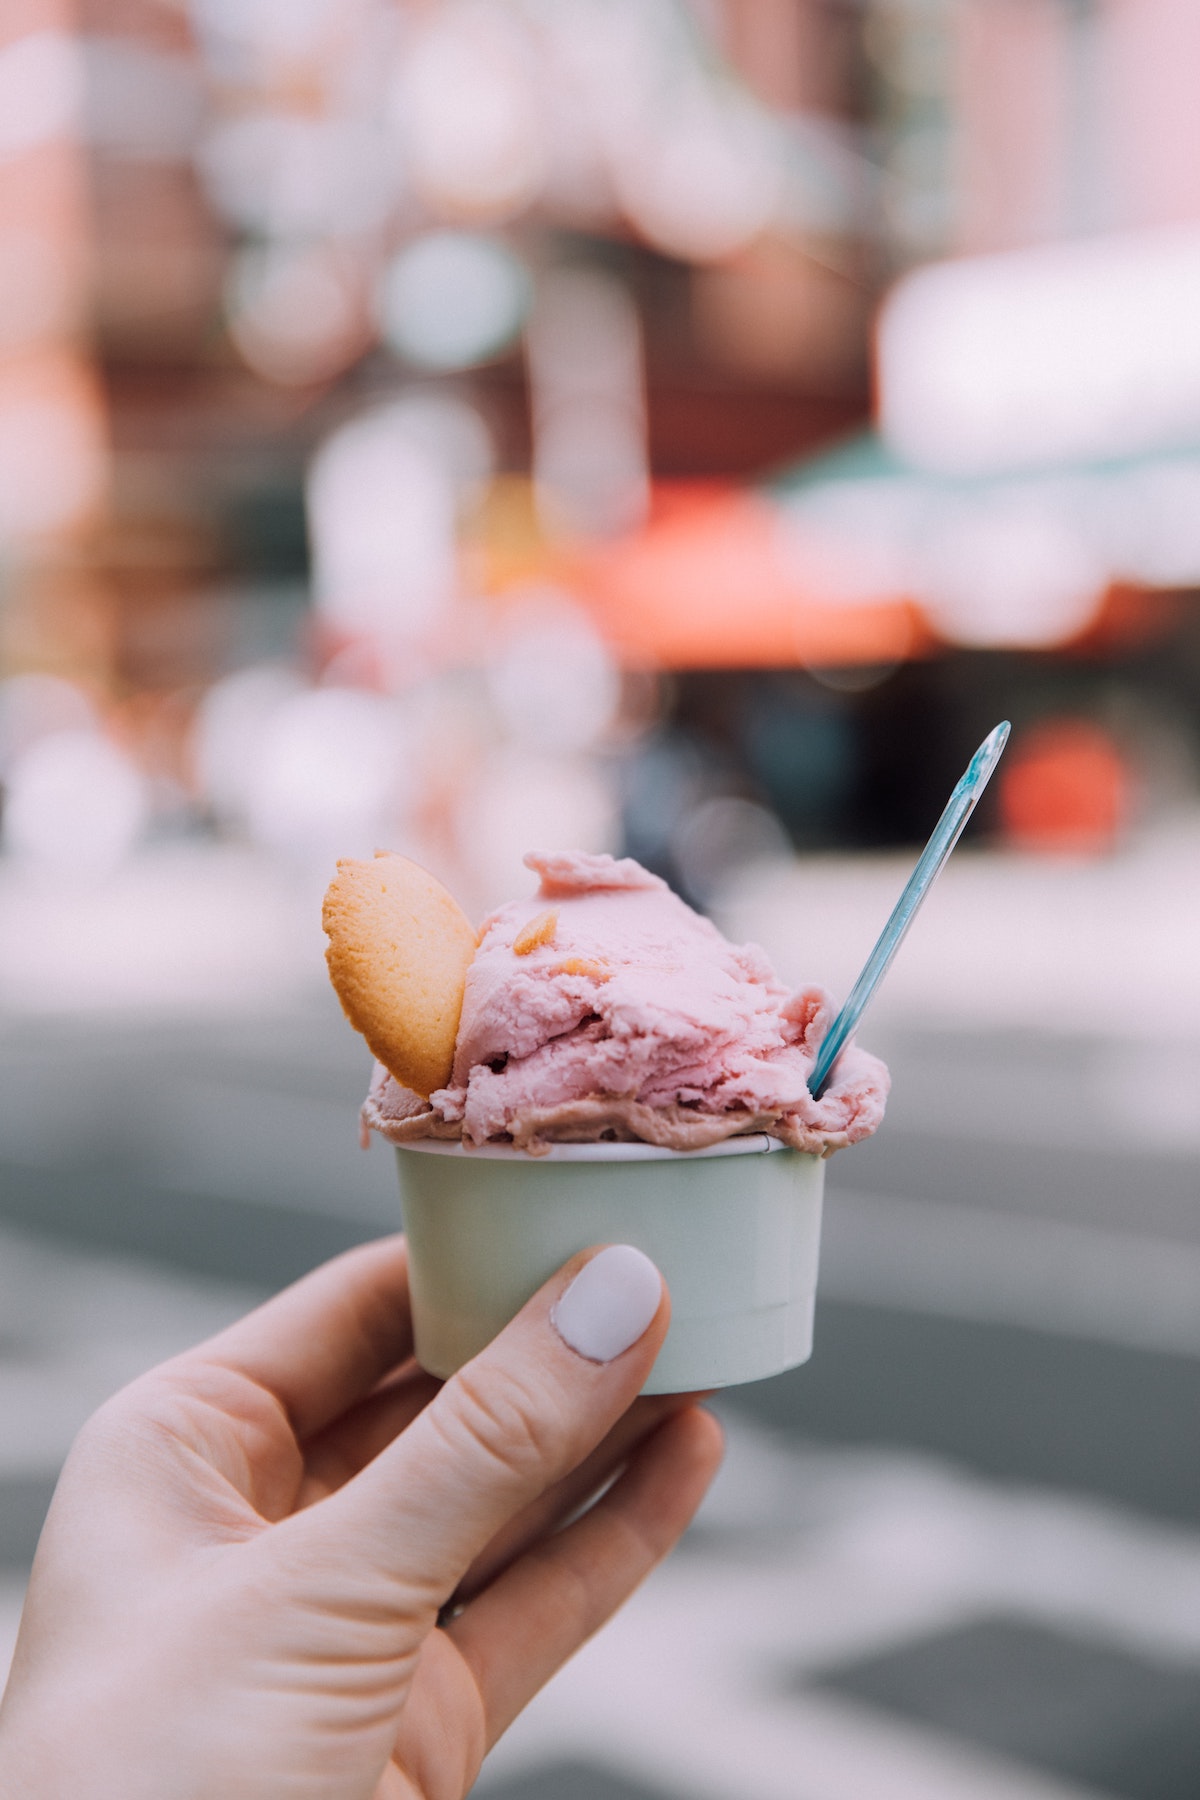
x: 680, y: 428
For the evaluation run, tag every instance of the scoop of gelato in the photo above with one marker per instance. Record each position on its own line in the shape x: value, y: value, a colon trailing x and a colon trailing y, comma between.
x: 604, y: 1007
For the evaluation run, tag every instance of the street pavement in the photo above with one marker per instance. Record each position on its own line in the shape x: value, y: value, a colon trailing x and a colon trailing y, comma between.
x: 957, y: 1555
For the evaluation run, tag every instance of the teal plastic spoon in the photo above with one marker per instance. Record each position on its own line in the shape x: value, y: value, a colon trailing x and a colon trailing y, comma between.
x: 946, y: 834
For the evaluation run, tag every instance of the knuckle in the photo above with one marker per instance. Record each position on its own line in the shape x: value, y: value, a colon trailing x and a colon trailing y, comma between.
x: 519, y: 1428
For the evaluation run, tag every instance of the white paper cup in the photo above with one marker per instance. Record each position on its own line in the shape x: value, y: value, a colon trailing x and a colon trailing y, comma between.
x: 735, y: 1230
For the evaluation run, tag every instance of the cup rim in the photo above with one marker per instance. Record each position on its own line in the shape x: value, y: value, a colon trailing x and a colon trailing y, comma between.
x: 756, y: 1143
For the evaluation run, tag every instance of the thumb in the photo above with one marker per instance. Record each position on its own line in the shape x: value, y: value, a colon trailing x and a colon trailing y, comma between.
x: 511, y: 1423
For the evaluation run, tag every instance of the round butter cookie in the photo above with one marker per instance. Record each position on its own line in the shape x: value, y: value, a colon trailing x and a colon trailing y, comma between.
x: 399, y: 949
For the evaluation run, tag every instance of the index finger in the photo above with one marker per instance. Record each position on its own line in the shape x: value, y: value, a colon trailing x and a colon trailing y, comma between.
x: 325, y: 1342
x: 510, y: 1424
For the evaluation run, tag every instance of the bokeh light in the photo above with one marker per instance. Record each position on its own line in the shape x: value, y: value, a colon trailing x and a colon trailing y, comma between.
x: 1067, y: 790
x: 74, y: 805
x: 452, y: 298
x: 228, y: 735
x: 454, y: 432
x: 708, y: 181
x: 467, y: 108
x: 1010, y: 573
x: 277, y: 31
x: 296, y: 311
x: 585, y: 368
x: 330, y: 777
x: 381, y: 510
x: 551, y: 677
x: 292, y: 175
x: 1084, y: 350
x: 41, y: 90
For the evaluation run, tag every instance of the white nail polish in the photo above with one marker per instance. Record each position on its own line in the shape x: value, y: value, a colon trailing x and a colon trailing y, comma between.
x: 609, y: 1304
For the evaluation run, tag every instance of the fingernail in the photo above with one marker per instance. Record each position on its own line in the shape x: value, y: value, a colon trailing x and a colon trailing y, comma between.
x: 609, y: 1304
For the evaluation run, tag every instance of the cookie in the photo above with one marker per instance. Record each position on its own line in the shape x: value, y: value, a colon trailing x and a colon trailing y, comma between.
x: 399, y: 950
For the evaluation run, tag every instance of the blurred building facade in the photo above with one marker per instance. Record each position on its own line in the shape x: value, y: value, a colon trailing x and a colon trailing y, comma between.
x: 374, y: 374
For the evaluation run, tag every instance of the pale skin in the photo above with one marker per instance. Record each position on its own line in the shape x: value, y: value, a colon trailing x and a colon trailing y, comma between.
x: 238, y: 1587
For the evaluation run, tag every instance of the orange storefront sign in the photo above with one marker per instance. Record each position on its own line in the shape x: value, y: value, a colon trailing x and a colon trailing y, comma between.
x: 714, y: 581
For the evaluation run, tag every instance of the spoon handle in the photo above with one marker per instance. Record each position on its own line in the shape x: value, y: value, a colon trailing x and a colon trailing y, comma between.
x: 946, y: 834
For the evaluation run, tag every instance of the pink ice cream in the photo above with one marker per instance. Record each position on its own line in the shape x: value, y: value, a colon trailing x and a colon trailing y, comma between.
x: 604, y: 1007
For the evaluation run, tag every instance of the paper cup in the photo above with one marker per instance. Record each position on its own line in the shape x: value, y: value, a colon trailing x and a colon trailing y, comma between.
x: 735, y: 1230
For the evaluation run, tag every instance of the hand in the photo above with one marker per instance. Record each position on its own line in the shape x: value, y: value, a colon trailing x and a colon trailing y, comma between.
x: 237, y: 1590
